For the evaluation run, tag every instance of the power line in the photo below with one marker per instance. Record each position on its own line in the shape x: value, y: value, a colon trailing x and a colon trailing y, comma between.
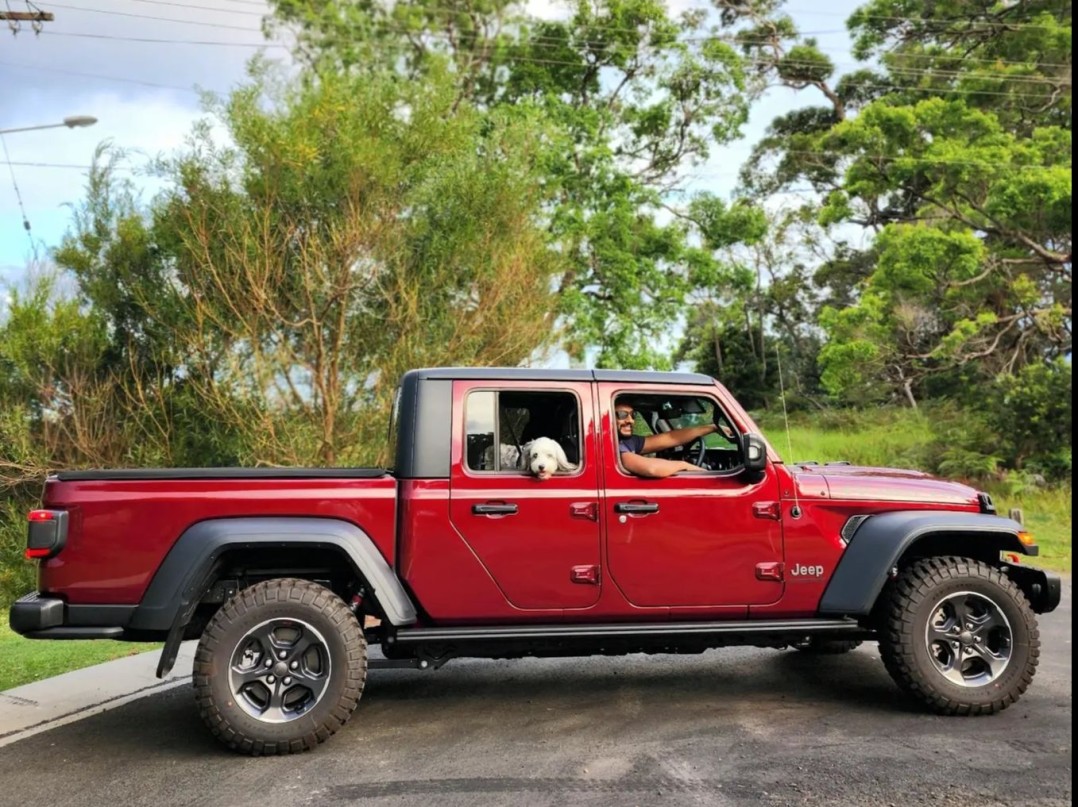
x: 927, y: 21
x: 908, y: 72
x: 18, y: 194
x: 159, y: 41
x: 209, y: 8
x: 76, y: 166
x: 987, y: 162
x: 222, y: 26
x: 938, y: 91
x: 731, y: 38
x: 37, y: 68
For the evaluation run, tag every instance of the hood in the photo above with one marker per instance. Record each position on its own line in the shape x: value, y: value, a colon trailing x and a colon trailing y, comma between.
x: 840, y: 481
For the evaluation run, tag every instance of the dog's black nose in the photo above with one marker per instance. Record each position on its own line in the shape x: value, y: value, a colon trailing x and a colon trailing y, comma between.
x: 542, y: 467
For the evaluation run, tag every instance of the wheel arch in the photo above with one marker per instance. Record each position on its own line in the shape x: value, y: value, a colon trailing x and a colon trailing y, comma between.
x: 883, y: 542
x: 209, y: 548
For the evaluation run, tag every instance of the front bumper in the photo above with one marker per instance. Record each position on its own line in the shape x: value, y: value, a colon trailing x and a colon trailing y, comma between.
x: 1042, y: 589
x: 37, y: 617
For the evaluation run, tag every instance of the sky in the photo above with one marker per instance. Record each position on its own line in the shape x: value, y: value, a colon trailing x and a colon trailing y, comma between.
x: 137, y: 65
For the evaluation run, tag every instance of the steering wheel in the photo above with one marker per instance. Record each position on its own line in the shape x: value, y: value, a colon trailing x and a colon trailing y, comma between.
x: 697, y: 450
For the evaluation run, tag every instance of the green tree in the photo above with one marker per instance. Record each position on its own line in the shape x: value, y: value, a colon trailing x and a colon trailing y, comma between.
x: 357, y: 228
x: 760, y: 318
x: 958, y: 158
x: 638, y: 97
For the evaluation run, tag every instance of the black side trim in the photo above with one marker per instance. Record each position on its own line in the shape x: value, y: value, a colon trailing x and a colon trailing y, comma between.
x: 424, y: 437
x: 496, y: 374
x: 98, y: 615
x: 188, y: 564
x: 135, y: 474
x: 655, y: 629
x: 76, y: 633
x: 881, y: 540
x: 189, y: 570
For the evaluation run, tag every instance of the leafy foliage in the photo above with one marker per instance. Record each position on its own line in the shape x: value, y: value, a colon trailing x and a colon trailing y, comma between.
x: 636, y: 97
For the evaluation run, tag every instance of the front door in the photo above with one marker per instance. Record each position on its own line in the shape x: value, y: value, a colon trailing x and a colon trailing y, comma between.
x: 537, y: 538
x: 694, y: 539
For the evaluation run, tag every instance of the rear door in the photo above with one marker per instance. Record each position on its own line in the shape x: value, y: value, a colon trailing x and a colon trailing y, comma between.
x: 538, y: 539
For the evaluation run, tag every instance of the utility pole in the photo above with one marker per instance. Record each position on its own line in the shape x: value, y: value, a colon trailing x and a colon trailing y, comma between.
x: 26, y: 16
x: 33, y: 15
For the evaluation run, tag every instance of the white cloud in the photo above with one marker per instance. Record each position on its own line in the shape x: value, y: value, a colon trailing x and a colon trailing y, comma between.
x: 48, y: 77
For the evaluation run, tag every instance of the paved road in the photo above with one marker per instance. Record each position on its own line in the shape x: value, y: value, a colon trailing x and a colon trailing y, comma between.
x: 729, y: 727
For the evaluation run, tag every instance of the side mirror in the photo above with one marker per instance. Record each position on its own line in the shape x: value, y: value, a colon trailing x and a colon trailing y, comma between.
x: 754, y: 451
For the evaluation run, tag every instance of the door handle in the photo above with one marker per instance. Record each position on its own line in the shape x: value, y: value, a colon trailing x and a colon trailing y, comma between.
x: 489, y: 509
x: 636, y: 507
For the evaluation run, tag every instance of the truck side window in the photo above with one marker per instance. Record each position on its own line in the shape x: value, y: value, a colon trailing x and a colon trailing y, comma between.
x: 655, y: 414
x: 499, y: 423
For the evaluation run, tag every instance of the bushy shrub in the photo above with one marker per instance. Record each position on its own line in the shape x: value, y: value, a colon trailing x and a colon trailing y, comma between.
x: 1030, y: 413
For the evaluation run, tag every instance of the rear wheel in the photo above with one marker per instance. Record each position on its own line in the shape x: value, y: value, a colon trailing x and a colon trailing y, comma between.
x: 280, y: 667
x: 959, y: 636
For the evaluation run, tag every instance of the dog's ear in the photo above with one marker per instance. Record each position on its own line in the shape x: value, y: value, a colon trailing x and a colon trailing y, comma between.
x: 525, y: 451
x: 563, y: 461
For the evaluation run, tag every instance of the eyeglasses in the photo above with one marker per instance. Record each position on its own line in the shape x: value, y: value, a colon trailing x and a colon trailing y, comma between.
x: 623, y: 414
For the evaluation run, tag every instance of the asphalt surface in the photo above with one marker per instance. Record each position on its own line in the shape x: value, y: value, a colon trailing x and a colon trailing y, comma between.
x: 728, y: 727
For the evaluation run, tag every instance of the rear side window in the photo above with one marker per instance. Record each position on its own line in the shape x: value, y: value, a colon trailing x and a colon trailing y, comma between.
x: 499, y: 423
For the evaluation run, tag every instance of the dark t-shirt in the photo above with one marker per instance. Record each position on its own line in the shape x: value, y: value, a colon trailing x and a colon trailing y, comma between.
x: 634, y: 444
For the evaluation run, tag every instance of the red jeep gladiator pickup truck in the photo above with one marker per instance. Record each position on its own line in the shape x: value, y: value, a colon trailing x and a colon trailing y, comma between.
x: 459, y: 550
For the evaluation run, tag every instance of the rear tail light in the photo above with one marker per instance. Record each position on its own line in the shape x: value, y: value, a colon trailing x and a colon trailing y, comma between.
x: 46, y: 533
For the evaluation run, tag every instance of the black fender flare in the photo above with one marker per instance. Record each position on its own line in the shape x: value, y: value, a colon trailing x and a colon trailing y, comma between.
x: 188, y: 569
x: 880, y: 540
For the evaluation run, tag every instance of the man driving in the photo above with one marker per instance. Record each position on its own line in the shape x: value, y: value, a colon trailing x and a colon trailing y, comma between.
x: 633, y: 447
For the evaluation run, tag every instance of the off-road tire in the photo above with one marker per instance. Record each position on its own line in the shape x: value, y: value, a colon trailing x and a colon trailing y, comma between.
x: 819, y: 646
x: 335, y: 655
x: 915, y: 606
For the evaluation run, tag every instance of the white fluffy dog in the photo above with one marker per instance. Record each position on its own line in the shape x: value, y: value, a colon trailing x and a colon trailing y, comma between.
x: 541, y: 457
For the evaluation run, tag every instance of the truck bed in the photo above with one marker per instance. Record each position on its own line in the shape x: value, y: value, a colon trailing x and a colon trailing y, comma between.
x: 99, y: 474
x: 122, y: 523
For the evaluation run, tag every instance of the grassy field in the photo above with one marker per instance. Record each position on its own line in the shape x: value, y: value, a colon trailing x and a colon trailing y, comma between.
x: 25, y: 660
x: 893, y: 438
x: 902, y: 439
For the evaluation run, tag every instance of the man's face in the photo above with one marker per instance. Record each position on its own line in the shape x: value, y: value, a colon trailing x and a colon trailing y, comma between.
x: 624, y: 418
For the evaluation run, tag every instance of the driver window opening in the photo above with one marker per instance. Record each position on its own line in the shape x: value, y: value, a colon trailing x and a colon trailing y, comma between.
x: 656, y: 414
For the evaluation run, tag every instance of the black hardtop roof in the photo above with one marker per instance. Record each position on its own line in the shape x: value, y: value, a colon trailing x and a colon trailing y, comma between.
x: 531, y: 374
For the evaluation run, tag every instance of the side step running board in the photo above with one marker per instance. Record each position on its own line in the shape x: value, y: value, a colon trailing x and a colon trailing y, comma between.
x: 652, y: 629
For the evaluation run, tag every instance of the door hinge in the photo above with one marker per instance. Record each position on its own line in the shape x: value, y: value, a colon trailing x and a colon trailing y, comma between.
x: 771, y: 570
x: 770, y: 510
x: 588, y: 510
x: 589, y: 575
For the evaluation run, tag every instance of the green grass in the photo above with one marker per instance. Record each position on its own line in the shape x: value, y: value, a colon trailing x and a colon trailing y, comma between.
x: 23, y: 661
x: 901, y: 438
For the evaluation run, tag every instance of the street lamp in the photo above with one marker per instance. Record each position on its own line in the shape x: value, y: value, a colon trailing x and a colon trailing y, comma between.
x: 71, y: 122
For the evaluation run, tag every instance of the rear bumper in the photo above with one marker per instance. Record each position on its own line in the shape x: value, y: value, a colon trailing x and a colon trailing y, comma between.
x: 37, y: 617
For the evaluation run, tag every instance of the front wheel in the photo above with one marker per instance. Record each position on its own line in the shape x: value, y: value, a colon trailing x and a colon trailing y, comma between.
x: 959, y: 636
x: 280, y: 667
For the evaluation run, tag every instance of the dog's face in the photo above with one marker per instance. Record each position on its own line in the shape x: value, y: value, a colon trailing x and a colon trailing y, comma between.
x: 542, y: 457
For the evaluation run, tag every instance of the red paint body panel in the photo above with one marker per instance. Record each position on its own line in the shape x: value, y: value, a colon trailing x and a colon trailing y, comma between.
x: 565, y: 555
x: 530, y: 554
x: 120, y: 530
x: 698, y: 553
